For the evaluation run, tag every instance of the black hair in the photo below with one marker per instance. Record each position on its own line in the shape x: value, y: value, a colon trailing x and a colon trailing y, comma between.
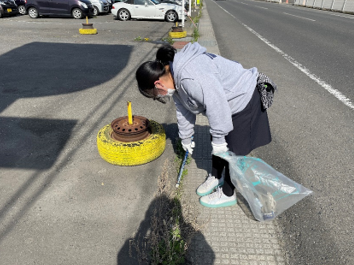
x: 150, y: 71
x: 166, y: 54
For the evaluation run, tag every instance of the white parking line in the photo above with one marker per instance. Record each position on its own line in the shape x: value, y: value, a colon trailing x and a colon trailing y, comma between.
x: 299, y: 16
x: 346, y: 101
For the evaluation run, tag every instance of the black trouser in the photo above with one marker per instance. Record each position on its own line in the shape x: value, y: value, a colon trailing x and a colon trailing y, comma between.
x: 251, y: 130
x: 218, y: 165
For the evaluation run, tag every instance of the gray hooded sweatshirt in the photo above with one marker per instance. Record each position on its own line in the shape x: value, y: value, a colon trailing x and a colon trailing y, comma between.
x: 211, y: 85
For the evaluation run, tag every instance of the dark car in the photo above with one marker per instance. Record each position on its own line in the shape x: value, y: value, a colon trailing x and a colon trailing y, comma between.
x: 8, y: 8
x: 75, y: 8
x: 21, y: 6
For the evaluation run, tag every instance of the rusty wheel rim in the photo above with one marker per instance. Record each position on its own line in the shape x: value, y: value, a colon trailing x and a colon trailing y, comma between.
x: 125, y: 132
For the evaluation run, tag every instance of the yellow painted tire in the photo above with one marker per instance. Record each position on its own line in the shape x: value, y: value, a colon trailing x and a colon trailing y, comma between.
x: 131, y: 153
x: 177, y: 35
x: 88, y: 31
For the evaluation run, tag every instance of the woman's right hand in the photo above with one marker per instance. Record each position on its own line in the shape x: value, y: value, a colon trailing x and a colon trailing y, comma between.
x: 188, y: 147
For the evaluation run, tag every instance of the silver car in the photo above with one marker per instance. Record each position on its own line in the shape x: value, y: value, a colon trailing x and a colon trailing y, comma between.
x: 100, y: 6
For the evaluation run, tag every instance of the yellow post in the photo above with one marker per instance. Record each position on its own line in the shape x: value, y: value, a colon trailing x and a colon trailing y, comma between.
x: 130, y: 115
x: 86, y: 20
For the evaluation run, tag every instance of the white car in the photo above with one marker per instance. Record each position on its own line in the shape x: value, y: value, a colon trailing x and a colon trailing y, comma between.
x: 147, y: 9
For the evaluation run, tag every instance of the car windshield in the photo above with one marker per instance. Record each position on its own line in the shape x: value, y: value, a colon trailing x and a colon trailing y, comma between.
x: 156, y: 2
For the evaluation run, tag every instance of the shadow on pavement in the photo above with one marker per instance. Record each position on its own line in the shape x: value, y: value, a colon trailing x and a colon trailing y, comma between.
x: 39, y: 70
x: 136, y: 250
x: 45, y: 69
x: 32, y: 143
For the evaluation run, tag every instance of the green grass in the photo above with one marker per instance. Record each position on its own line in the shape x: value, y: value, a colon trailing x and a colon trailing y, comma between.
x: 168, y: 40
x: 141, y: 39
x: 173, y: 222
x: 196, y: 35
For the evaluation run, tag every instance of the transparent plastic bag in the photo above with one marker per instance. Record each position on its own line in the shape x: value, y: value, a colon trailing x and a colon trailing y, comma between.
x: 267, y: 191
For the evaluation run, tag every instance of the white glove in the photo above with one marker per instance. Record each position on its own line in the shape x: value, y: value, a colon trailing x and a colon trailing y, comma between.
x: 219, y: 148
x: 189, y: 147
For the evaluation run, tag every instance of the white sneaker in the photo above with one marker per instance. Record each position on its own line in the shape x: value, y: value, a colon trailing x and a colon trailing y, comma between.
x: 218, y: 199
x: 209, y: 185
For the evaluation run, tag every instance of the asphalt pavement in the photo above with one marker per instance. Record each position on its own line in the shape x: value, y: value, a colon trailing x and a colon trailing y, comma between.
x: 61, y: 203
x: 312, y: 130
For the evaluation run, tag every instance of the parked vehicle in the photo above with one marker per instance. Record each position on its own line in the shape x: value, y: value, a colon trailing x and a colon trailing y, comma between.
x: 8, y: 8
x: 100, y: 6
x: 21, y: 6
x: 75, y: 8
x: 110, y: 3
x: 147, y: 9
x: 178, y: 2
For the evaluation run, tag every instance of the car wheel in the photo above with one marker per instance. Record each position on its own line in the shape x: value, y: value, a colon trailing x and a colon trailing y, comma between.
x: 171, y: 16
x: 77, y: 13
x: 95, y: 11
x: 22, y: 10
x: 32, y: 12
x: 123, y: 14
x: 131, y: 153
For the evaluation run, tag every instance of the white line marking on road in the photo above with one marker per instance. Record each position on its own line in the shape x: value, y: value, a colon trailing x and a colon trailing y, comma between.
x: 261, y: 7
x: 299, y: 16
x: 244, y: 4
x: 346, y: 101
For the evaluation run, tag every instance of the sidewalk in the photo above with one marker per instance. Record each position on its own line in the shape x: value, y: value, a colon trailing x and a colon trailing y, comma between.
x: 231, y: 235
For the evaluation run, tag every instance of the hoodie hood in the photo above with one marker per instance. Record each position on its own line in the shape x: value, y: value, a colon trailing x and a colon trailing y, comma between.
x: 183, y: 57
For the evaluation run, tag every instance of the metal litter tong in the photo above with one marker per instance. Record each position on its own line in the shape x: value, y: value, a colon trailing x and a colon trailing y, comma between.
x: 182, y: 166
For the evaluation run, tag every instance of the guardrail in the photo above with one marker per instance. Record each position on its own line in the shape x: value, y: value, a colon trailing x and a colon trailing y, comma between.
x: 345, y: 6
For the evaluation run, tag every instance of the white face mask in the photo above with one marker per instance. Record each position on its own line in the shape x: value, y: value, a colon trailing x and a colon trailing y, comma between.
x: 169, y: 94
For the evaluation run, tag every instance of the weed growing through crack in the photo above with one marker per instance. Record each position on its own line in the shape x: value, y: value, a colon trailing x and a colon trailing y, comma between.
x: 168, y: 39
x: 196, y: 35
x: 173, y: 222
x: 141, y: 39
